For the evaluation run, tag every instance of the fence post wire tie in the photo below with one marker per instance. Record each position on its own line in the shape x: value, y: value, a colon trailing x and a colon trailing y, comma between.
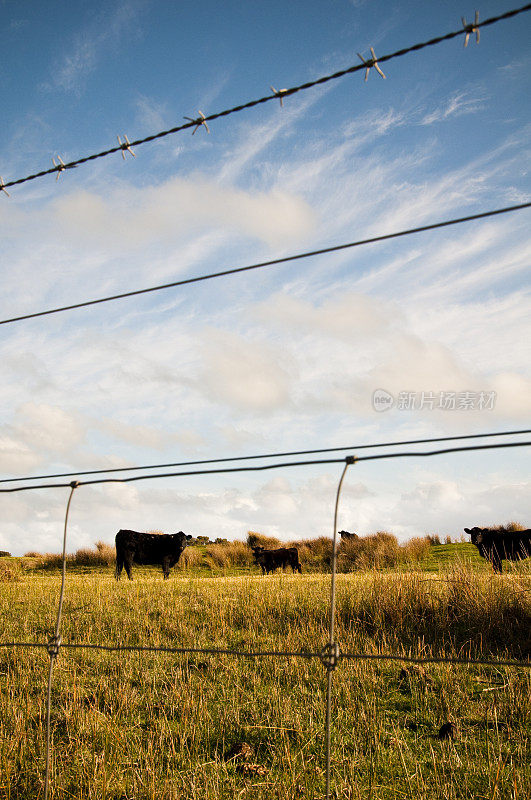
x: 201, y: 120
x: 54, y: 643
x: 372, y: 62
x: 472, y: 27
x: 330, y: 655
x: 125, y: 145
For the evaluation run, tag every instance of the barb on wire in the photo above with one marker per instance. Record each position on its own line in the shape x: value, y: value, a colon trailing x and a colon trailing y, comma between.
x: 200, y: 121
x: 273, y: 262
x: 472, y: 28
x: 279, y: 93
x: 370, y: 63
x: 125, y: 145
x: 60, y: 166
x: 293, y: 90
x: 3, y: 187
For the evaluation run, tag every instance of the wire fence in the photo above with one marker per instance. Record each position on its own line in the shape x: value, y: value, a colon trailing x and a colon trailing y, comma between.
x: 366, y: 64
x: 330, y: 655
x: 262, y: 264
x: 254, y: 457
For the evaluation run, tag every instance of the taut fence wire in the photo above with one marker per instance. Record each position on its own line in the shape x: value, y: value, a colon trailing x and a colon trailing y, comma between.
x: 262, y: 264
x: 330, y: 656
x: 372, y: 446
x: 265, y: 467
x: 122, y: 147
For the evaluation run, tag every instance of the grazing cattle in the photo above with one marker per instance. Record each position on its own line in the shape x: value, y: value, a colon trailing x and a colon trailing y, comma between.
x: 148, y: 548
x: 495, y: 545
x: 270, y: 560
x: 346, y: 535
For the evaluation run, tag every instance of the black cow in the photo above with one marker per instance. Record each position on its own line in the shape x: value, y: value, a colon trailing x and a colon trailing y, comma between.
x: 495, y: 545
x: 148, y: 548
x: 346, y: 535
x: 270, y: 560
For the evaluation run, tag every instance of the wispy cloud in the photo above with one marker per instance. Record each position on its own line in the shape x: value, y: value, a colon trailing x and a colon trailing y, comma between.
x: 458, y: 104
x: 82, y: 56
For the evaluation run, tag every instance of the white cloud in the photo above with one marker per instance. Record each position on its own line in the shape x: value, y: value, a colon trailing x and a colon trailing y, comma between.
x: 246, y: 375
x: 348, y: 315
x: 48, y: 428
x: 458, y: 104
x: 166, y: 212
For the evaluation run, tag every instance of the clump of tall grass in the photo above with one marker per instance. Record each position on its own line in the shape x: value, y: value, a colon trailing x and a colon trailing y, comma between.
x: 232, y: 554
x: 255, y: 539
x: 510, y: 527
x: 10, y: 570
x: 462, y: 612
x: 380, y: 551
x: 315, y: 554
x: 102, y: 556
x: 191, y: 558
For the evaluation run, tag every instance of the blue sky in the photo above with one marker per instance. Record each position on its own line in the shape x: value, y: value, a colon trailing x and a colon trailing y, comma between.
x: 283, y: 358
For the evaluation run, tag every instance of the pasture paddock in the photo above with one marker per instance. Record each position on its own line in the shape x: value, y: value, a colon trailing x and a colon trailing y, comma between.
x: 153, y: 725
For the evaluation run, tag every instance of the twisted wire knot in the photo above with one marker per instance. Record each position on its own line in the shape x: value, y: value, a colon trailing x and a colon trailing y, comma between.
x: 330, y: 655
x: 53, y: 646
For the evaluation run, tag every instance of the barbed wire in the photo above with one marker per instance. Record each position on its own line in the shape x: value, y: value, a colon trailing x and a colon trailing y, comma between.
x: 122, y: 147
x: 272, y: 262
x: 264, y: 467
x: 264, y: 455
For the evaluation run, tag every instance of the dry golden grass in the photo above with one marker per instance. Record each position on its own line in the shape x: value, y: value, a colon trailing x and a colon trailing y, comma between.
x: 154, y: 726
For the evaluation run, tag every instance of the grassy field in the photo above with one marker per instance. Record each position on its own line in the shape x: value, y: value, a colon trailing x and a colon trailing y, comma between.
x: 153, y: 725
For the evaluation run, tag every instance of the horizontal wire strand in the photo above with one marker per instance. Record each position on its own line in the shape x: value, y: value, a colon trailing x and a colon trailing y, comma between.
x: 264, y: 467
x: 283, y: 93
x: 262, y: 264
x: 346, y: 656
x: 264, y: 455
